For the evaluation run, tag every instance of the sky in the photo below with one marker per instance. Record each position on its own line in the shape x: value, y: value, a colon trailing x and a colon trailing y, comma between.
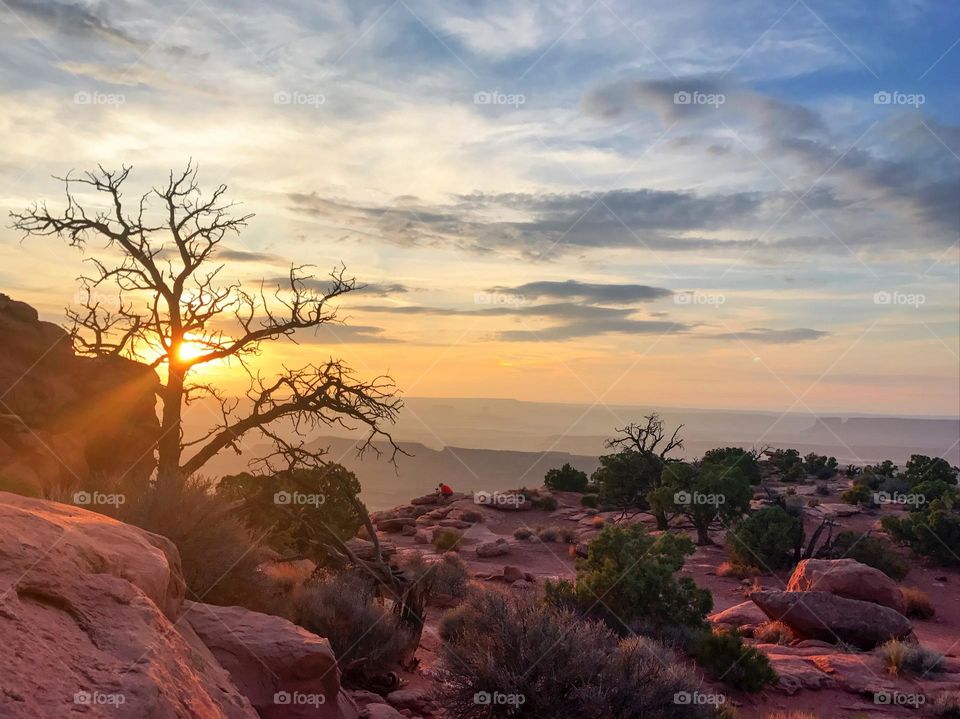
x: 744, y: 205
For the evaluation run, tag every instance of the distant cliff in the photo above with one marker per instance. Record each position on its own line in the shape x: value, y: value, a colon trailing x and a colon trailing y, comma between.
x: 64, y: 419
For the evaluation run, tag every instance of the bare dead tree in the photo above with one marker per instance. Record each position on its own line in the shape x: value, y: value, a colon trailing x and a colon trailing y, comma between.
x: 175, y: 312
x: 646, y: 438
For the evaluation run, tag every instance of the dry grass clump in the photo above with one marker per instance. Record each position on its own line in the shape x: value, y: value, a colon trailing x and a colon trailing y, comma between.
x: 598, y: 522
x: 522, y: 533
x: 448, y: 539
x: 286, y: 575
x: 901, y: 657
x: 737, y: 570
x: 343, y: 608
x: 548, y: 534
x: 774, y: 633
x: 919, y: 605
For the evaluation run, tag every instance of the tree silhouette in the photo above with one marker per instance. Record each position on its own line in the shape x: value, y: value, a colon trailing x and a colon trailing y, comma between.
x: 176, y: 313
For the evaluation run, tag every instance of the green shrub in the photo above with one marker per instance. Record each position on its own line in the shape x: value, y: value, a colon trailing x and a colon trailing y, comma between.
x: 635, y: 573
x: 872, y: 551
x: 590, y: 500
x: 921, y: 468
x: 724, y: 655
x: 788, y: 463
x: 547, y: 502
x: 447, y: 539
x: 566, y: 479
x: 728, y: 457
x: 343, y: 609
x: 821, y: 466
x: 549, y: 664
x: 293, y: 527
x: 857, y: 494
x: 767, y: 538
x: 933, y: 530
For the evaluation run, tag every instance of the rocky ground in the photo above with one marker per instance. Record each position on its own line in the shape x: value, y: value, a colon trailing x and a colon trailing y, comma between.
x: 859, y: 603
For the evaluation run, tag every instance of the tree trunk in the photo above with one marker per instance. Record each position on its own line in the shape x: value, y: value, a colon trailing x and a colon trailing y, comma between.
x: 703, y: 536
x: 171, y: 432
x: 661, y: 518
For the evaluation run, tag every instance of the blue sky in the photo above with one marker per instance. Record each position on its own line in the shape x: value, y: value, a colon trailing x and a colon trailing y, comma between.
x: 787, y: 173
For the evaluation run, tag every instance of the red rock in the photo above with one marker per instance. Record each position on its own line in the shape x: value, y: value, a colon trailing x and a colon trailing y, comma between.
x: 66, y: 419
x: 80, y: 626
x: 285, y: 671
x: 511, y: 574
x: 394, y: 525
x: 88, y: 543
x: 745, y: 613
x: 493, y: 549
x: 847, y: 578
x: 825, y: 616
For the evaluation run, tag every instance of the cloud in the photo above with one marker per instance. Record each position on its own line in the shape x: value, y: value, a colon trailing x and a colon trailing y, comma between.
x: 594, y: 328
x: 226, y: 253
x: 346, y: 334
x: 368, y: 289
x: 771, y: 336
x: 71, y: 19
x: 587, y: 291
x: 701, y: 97
x: 552, y: 221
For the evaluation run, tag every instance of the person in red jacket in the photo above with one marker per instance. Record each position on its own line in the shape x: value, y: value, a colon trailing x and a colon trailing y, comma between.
x: 443, y: 490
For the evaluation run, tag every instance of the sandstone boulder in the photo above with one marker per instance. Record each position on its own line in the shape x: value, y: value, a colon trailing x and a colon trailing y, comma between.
x: 847, y: 578
x: 66, y: 419
x: 53, y: 539
x: 745, y: 613
x: 825, y: 616
x: 285, y: 671
x: 81, y: 626
x: 498, y: 548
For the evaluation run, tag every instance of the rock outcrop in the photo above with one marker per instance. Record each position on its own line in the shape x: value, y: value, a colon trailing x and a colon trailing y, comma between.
x: 284, y: 670
x: 825, y: 616
x: 739, y: 615
x: 85, y: 607
x: 64, y: 418
x: 847, y: 578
